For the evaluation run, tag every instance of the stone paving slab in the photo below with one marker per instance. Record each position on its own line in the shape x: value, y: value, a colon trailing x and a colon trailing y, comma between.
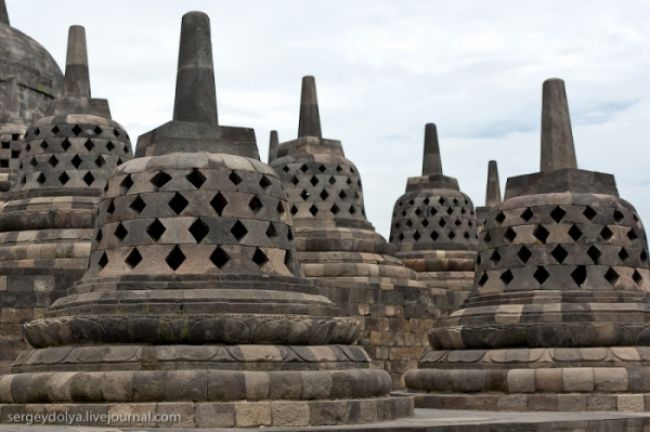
x: 431, y: 420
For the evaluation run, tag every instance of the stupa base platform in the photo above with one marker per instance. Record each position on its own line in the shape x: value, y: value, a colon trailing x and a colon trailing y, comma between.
x: 429, y: 420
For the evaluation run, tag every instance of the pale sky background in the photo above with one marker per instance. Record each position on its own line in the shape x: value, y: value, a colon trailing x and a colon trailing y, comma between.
x: 384, y: 69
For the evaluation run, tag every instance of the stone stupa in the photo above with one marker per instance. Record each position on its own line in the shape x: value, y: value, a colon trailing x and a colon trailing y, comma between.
x: 558, y: 316
x: 48, y: 221
x: 434, y: 227
x: 194, y: 302
x: 339, y: 248
x: 30, y: 79
x: 492, y: 193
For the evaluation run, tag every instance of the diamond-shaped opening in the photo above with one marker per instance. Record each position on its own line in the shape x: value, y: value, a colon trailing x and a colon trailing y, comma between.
x: 280, y: 208
x: 218, y: 203
x: 304, y: 168
x: 199, y: 230
x: 416, y: 235
x: 110, y: 146
x: 524, y: 254
x: 636, y: 277
x: 348, y: 181
x: 457, y: 222
x: 313, y: 180
x: 99, y: 235
x: 618, y: 216
x: 434, y: 235
x: 321, y: 168
x: 332, y: 180
x: 271, y: 232
x: 401, y: 236
x: 98, y: 130
x: 510, y: 235
x: 44, y: 145
x: 418, y: 211
x: 238, y: 230
x: 500, y: 218
x: 53, y: 161
x: 89, y: 145
x: 66, y: 144
x: 411, y: 202
x: 450, y: 210
x: 160, y: 179
x: 594, y: 253
x: 487, y: 238
x: 255, y: 204
x: 441, y: 200
x: 156, y: 230
x: 64, y: 178
x: 33, y: 161
x: 335, y: 209
x: 76, y: 161
x: 293, y: 210
x: 611, y: 276
x: 260, y: 257
x: 294, y: 180
x: 219, y: 257
x: 353, y: 209
x: 631, y: 234
x: 178, y: 203
x: 134, y: 258
x: 175, y: 258
x: 442, y: 223
x: 579, y: 275
x: 589, y: 213
x: 558, y: 214
x: 119, y: 161
x: 541, y: 275
x: 527, y: 215
x: 76, y: 129
x: 103, y: 260
x: 425, y: 223
x: 324, y: 194
x: 495, y: 257
x: 290, y: 234
x: 507, y: 277
x: 409, y: 223
x: 88, y: 178
x: 235, y: 178
x: 111, y: 207
x: 120, y: 232
x: 643, y: 256
x: 541, y: 233
x: 466, y: 235
x: 559, y: 253
x: 451, y: 235
x: 265, y: 182
x: 606, y: 233
x: 313, y: 210
x: 623, y: 255
x: 304, y: 195
x: 338, y: 168
x: 575, y: 233
x: 125, y: 149
x: 100, y: 161
x: 55, y: 130
x: 288, y: 260
x: 126, y: 183
x: 483, y: 280
x: 116, y: 132
x: 285, y: 168
x: 196, y: 177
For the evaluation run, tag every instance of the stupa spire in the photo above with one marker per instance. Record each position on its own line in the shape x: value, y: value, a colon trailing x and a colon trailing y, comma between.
x: 558, y: 151
x: 273, y: 145
x: 77, y: 77
x: 493, y: 190
x: 431, y: 162
x: 196, y: 98
x: 309, y: 124
x: 4, y: 16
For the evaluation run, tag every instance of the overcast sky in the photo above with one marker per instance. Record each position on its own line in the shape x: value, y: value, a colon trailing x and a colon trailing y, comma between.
x: 384, y: 69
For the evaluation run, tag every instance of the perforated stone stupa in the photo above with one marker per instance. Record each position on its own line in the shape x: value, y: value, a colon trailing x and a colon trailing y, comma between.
x: 194, y: 302
x: 434, y: 227
x: 47, y: 224
x: 558, y: 316
x: 341, y: 251
x: 492, y: 193
x: 30, y: 79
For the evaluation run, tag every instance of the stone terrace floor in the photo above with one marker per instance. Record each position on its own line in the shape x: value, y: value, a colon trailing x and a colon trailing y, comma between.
x: 441, y: 421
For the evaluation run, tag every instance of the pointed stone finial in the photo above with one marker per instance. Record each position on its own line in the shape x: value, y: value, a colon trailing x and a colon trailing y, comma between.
x: 4, y: 16
x: 558, y: 150
x: 77, y: 78
x: 196, y: 97
x: 431, y: 162
x: 309, y: 124
x: 493, y: 190
x: 273, y: 145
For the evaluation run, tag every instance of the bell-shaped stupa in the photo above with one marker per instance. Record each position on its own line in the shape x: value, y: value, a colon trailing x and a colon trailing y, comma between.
x: 30, y: 79
x: 193, y: 302
x: 48, y: 221
x: 558, y: 316
x: 492, y: 193
x: 434, y: 226
x: 339, y: 248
